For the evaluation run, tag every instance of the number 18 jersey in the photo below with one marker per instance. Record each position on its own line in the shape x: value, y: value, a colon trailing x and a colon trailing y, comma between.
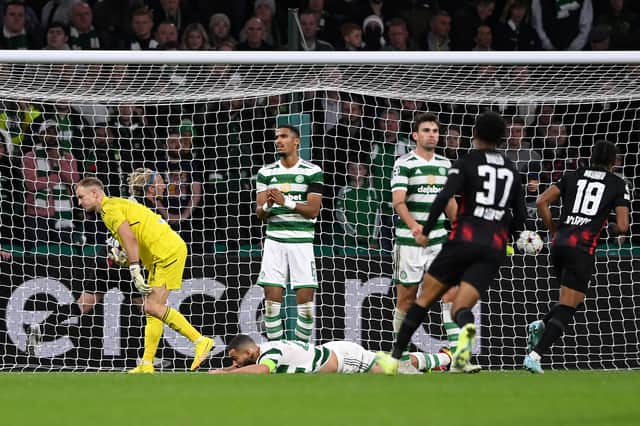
x: 588, y: 196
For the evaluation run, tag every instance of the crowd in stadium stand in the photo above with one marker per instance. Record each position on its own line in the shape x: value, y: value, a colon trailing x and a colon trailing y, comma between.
x: 209, y: 153
x: 436, y: 25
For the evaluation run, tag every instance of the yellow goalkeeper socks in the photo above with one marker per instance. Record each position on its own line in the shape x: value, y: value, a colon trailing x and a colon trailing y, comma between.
x: 152, y: 335
x: 179, y: 323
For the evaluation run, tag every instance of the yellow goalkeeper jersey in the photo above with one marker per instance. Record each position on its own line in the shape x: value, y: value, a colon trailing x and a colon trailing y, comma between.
x: 157, y: 242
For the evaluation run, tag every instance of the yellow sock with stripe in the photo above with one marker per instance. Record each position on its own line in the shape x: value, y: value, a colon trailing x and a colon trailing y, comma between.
x: 152, y: 335
x: 179, y: 323
x: 450, y: 326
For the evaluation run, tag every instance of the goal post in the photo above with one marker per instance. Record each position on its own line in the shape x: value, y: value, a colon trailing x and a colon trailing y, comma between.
x: 205, y: 122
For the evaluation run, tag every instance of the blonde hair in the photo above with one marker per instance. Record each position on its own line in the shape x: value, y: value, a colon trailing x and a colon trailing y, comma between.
x: 139, y: 180
x: 91, y: 181
x: 195, y: 27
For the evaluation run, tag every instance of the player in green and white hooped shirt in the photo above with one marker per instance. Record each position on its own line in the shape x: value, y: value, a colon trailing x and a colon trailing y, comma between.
x: 285, y: 356
x: 289, y: 197
x: 416, y: 180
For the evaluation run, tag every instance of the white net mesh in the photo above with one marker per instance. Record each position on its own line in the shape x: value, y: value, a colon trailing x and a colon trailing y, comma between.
x: 207, y: 129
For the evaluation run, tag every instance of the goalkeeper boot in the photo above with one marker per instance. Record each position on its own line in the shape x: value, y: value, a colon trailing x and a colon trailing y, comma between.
x: 535, y: 329
x: 144, y: 367
x: 387, y: 363
x: 532, y: 365
x: 462, y: 354
x: 34, y: 339
x: 203, y: 348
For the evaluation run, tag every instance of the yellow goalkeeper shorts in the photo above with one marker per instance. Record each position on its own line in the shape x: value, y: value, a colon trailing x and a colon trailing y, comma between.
x: 169, y: 273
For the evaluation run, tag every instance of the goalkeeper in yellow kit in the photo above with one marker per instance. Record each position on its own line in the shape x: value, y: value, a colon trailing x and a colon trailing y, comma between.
x: 147, y: 238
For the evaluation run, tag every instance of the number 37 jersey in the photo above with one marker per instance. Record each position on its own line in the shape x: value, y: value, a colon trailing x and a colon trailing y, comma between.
x: 588, y: 196
x: 492, y: 199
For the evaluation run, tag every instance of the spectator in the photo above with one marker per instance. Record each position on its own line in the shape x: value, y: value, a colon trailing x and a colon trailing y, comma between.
x: 558, y: 156
x: 219, y: 31
x: 417, y: 14
x: 102, y: 159
x: 17, y: 119
x: 384, y: 151
x: 183, y: 175
x: 373, y: 32
x: 468, y: 19
x: 438, y: 37
x: 67, y: 124
x: 129, y: 131
x: 328, y: 28
x: 49, y: 177
x: 266, y: 11
x: 83, y: 35
x: 195, y: 37
x: 180, y: 13
x: 32, y: 19
x: 516, y: 33
x: 600, y: 38
x: 526, y: 159
x: 349, y: 140
x: 57, y: 37
x: 358, y: 210
x: 483, y: 39
x: 142, y: 25
x: 166, y: 34
x: 255, y: 36
x: 310, y: 41
x: 399, y: 36
x: 453, y: 149
x: 351, y: 37
x: 14, y: 33
x: 11, y: 202
x: 57, y: 11
x: 623, y: 24
x: 562, y: 25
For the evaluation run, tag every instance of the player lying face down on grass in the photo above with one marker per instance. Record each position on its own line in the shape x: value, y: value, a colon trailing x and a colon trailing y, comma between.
x: 288, y: 356
x: 150, y: 242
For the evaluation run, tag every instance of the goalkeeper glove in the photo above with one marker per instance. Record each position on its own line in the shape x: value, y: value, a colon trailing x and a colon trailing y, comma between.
x: 138, y: 279
x: 117, y: 256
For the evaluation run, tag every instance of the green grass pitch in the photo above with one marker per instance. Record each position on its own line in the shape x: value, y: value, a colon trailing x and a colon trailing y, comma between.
x: 489, y: 398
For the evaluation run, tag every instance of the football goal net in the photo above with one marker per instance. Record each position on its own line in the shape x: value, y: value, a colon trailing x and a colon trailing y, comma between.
x: 205, y: 122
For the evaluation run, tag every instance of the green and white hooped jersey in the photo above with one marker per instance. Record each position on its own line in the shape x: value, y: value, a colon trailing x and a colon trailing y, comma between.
x: 289, y: 356
x: 285, y: 225
x: 422, y: 180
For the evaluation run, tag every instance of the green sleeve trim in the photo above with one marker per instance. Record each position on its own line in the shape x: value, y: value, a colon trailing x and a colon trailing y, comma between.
x: 269, y: 363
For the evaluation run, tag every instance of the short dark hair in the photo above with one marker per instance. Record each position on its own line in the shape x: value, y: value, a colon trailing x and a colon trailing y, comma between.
x: 58, y: 24
x: 424, y: 117
x: 239, y: 342
x: 292, y: 128
x: 516, y: 119
x: 13, y: 3
x: 490, y: 128
x: 603, y: 154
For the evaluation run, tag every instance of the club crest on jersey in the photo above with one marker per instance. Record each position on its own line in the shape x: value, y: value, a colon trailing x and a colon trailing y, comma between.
x: 442, y: 171
x: 285, y: 187
x: 299, y: 179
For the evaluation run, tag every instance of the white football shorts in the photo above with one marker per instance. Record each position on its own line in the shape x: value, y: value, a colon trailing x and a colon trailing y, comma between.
x: 292, y: 263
